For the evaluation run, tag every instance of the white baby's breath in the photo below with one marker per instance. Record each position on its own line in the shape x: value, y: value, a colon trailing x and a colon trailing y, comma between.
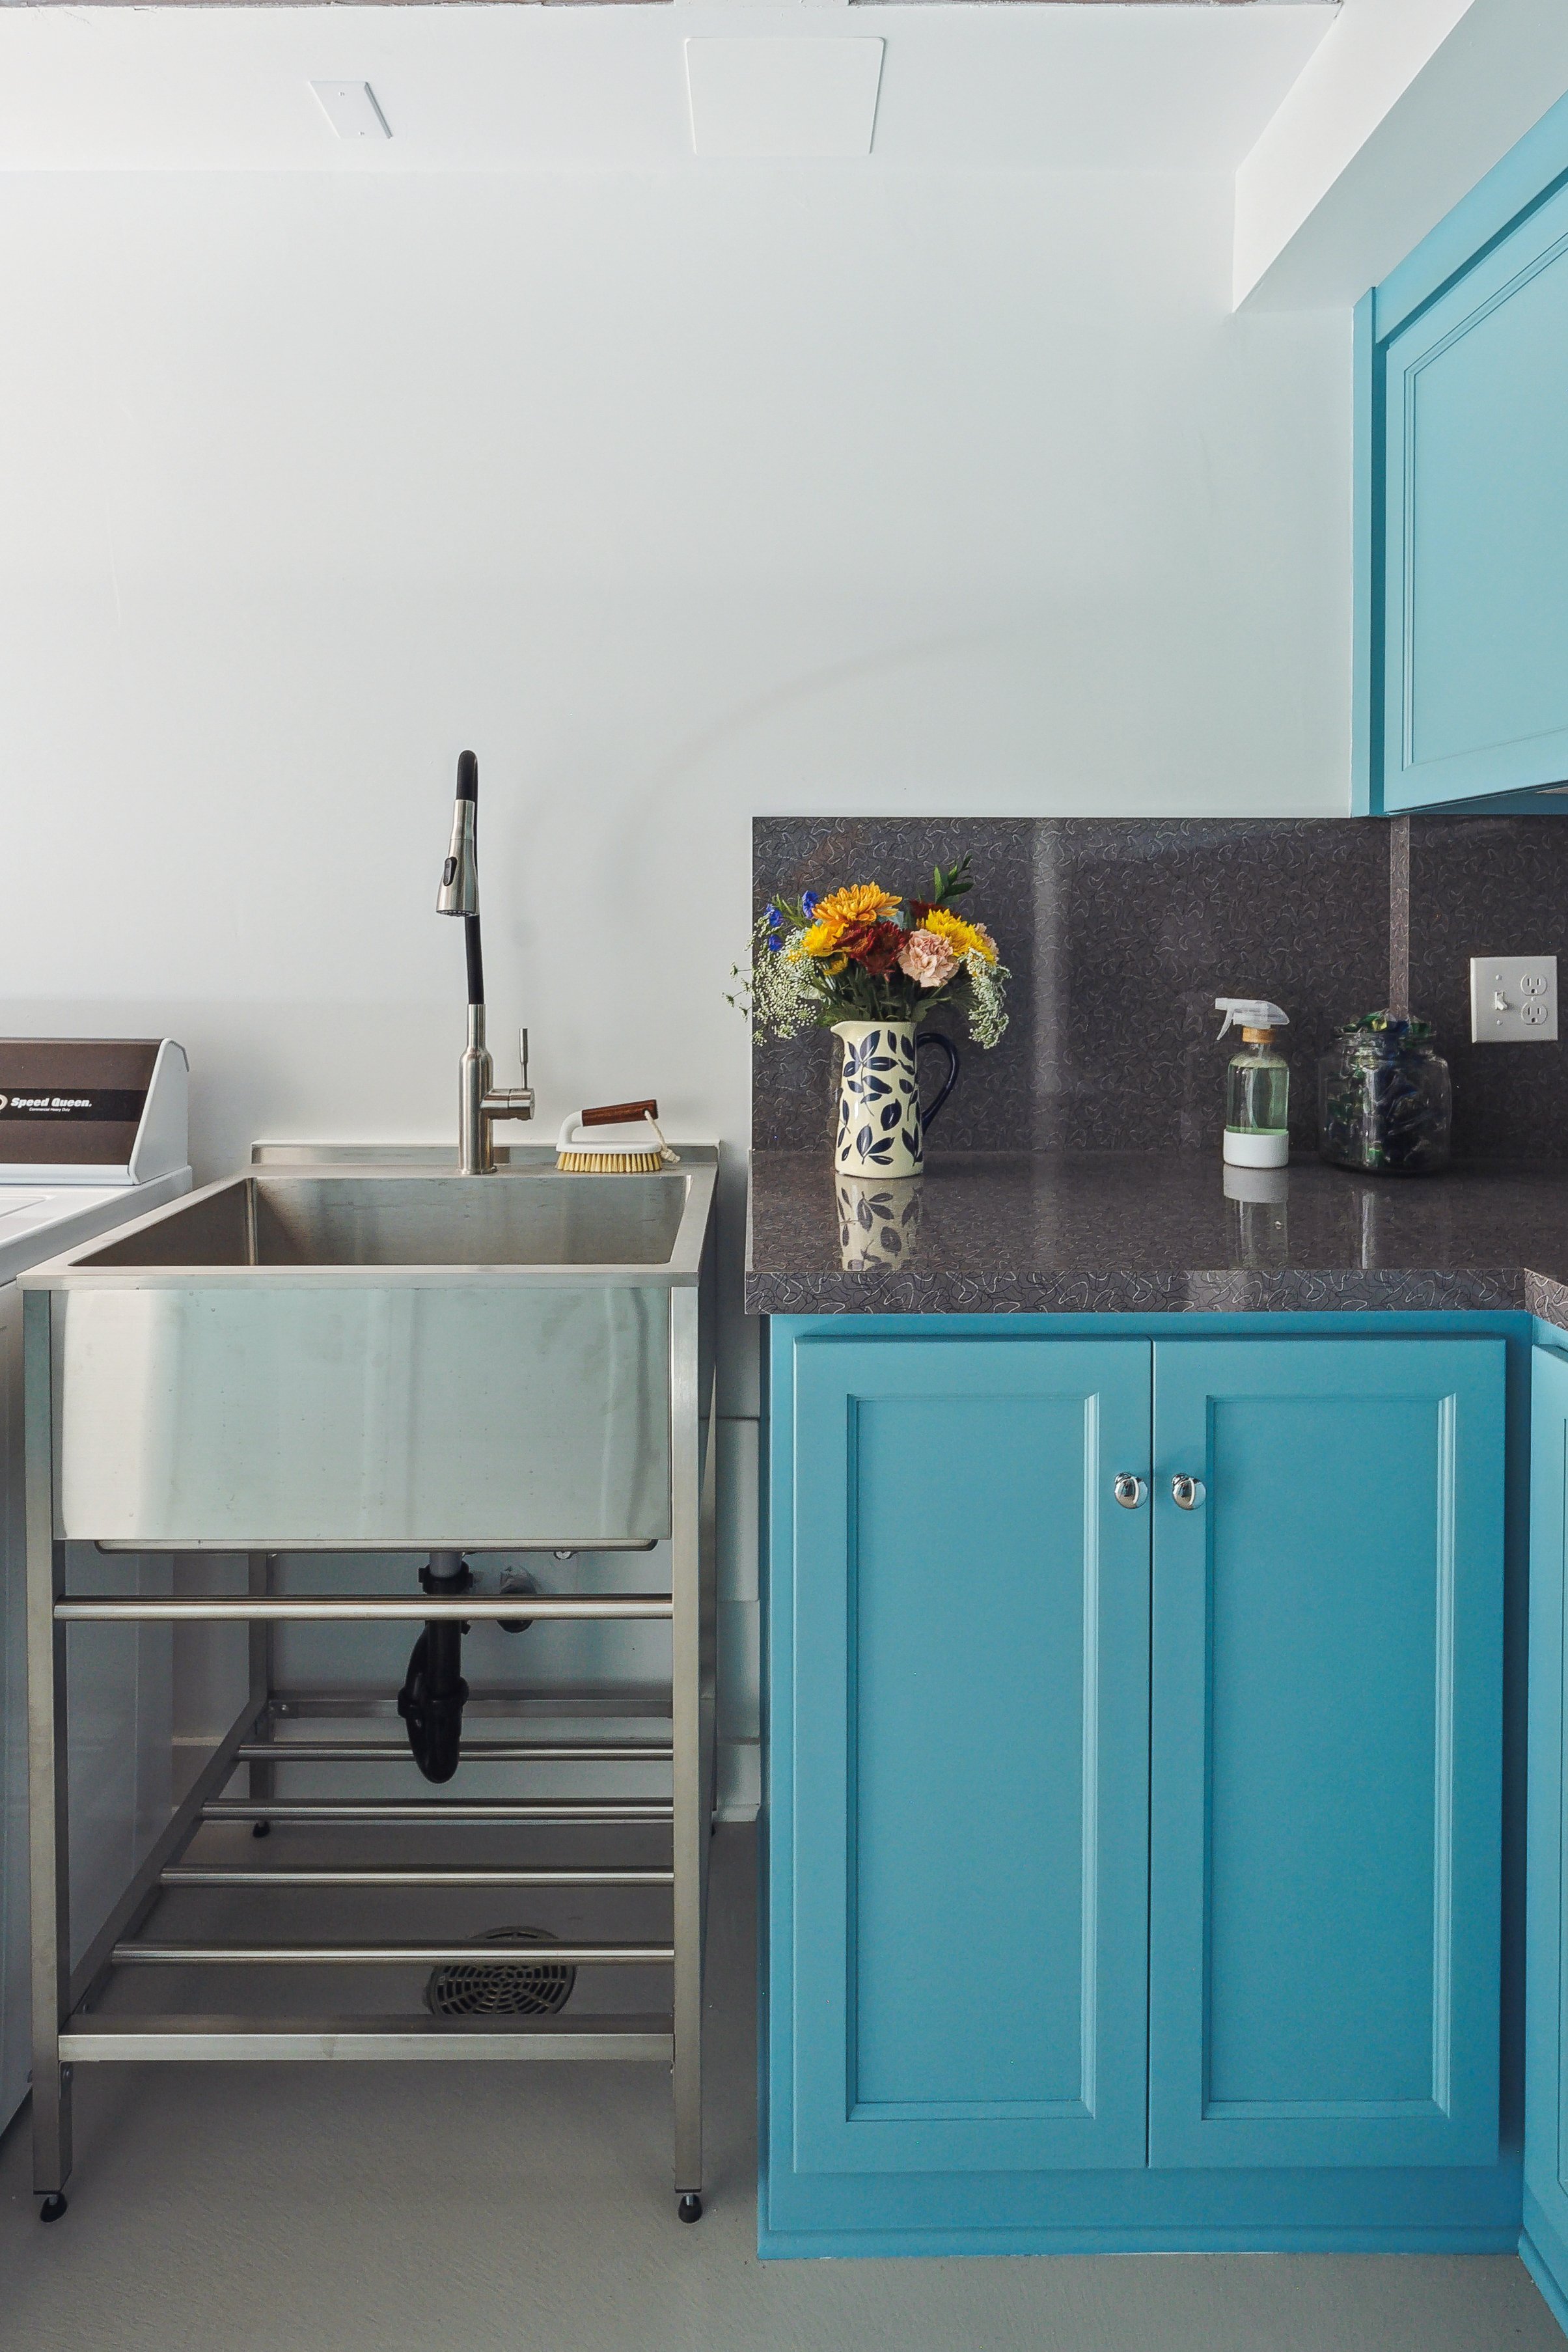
x: 988, y: 1013
x: 775, y: 996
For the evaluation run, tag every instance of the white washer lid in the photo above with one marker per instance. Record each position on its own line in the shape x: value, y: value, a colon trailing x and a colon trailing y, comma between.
x: 34, y: 1218
x: 14, y: 1198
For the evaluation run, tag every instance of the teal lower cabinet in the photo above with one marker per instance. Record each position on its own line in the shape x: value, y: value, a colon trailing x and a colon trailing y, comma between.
x: 1133, y: 1808
x: 1545, y: 2243
x: 1324, y: 1855
x: 970, y: 1758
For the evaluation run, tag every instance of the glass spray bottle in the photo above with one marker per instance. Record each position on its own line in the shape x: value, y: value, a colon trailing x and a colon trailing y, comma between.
x: 1257, y: 1085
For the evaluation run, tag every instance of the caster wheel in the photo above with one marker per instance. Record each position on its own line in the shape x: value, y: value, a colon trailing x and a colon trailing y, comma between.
x: 52, y: 2208
x: 690, y: 2208
x: 261, y: 1828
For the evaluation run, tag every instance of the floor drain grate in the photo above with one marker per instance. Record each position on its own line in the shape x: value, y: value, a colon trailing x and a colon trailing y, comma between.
x: 501, y: 1987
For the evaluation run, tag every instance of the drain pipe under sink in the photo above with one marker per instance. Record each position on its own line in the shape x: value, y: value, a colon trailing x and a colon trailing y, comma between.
x: 431, y: 1698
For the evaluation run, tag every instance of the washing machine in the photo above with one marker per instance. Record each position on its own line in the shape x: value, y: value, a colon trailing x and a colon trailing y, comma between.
x: 93, y: 1131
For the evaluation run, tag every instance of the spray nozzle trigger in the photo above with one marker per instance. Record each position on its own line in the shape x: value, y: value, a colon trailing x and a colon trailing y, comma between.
x: 1249, y: 1012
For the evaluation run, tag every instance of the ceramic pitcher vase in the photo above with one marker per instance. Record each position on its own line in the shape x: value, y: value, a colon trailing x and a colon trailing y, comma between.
x: 881, y: 1128
x: 879, y: 1220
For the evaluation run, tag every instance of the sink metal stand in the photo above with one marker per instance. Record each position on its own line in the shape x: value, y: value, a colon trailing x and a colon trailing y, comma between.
x: 68, y: 2029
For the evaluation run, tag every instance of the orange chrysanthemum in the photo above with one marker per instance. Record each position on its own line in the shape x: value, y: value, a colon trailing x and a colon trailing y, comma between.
x: 860, y: 902
x: 841, y: 922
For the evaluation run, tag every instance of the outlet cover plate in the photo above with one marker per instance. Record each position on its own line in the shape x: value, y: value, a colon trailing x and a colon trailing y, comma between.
x: 1513, y: 1000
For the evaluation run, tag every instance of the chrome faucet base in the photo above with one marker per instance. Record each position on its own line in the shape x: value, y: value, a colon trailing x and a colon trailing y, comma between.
x: 480, y: 1103
x: 475, y: 1143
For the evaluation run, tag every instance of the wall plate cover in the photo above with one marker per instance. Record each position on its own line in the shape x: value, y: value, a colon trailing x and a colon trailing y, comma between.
x: 1513, y: 1000
x: 351, y: 109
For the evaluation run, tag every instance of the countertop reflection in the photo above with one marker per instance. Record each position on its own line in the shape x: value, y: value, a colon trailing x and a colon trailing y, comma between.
x: 1049, y: 1233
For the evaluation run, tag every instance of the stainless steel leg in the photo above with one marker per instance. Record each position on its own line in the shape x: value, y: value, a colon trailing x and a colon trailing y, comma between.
x: 691, y: 1806
x: 707, y: 1523
x: 263, y: 1775
x: 48, y: 1793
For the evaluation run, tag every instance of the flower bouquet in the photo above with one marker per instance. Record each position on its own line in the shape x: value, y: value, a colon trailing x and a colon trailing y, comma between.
x: 870, y: 967
x: 860, y: 954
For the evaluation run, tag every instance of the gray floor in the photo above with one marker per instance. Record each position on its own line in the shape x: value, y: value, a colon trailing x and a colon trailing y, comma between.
x: 402, y: 2208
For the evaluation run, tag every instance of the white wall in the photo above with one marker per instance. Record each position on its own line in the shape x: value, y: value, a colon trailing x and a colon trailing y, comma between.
x: 680, y: 497
x: 680, y: 500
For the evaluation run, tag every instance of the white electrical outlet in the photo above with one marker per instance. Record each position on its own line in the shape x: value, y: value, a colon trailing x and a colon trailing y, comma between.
x: 1513, y: 1000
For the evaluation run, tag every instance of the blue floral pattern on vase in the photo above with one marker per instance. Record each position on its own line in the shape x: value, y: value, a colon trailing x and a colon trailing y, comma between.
x: 879, y: 1221
x: 879, y: 1130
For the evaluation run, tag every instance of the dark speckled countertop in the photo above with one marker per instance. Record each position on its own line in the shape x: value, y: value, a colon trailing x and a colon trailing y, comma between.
x: 994, y: 1232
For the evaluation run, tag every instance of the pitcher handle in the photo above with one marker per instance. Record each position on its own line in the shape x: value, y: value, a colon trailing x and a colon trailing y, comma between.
x: 932, y: 1037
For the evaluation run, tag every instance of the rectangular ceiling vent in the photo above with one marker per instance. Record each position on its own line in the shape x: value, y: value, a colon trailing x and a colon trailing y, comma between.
x: 769, y: 97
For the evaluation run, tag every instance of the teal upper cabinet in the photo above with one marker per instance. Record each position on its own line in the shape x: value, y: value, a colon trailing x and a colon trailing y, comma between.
x: 1462, y: 502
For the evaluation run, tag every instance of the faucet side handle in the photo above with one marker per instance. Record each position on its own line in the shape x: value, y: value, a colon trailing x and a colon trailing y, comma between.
x: 511, y: 1102
x: 508, y: 1102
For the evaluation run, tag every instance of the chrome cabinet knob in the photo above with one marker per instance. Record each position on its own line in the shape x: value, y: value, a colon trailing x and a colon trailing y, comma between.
x: 1130, y: 1491
x: 1187, y: 1493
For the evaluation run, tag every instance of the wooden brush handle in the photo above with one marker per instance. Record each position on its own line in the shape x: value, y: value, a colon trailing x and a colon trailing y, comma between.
x: 611, y: 1114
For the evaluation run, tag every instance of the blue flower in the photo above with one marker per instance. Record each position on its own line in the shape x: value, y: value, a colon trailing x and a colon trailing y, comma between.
x: 775, y: 929
x: 809, y: 904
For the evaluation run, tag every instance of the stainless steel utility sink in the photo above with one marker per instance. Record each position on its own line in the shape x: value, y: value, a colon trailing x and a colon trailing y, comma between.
x: 381, y: 1356
x: 501, y: 1220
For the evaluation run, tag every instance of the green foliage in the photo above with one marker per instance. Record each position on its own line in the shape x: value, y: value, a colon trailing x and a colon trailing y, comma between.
x: 954, y: 884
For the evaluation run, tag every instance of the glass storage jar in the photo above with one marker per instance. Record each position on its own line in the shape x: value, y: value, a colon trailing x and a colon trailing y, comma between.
x: 1384, y: 1103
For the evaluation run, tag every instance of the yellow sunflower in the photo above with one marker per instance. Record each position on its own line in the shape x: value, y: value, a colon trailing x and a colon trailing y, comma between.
x: 964, y: 939
x: 821, y: 942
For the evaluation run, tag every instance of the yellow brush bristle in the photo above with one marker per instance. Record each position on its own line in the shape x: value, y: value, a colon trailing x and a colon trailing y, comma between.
x: 607, y: 1163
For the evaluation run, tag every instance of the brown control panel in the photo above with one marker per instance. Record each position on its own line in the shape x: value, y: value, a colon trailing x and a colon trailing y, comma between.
x: 73, y: 1098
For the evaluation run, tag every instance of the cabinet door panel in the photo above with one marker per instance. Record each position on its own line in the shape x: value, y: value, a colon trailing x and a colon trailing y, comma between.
x: 1546, y: 1986
x: 1326, y: 1753
x: 1474, y: 500
x: 971, y: 1755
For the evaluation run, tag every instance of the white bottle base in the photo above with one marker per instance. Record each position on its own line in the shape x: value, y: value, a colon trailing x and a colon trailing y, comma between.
x: 1251, y: 1148
x: 1270, y: 1186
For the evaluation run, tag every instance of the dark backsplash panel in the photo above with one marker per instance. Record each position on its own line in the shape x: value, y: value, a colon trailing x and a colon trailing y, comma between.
x: 1147, y: 923
x: 1120, y: 933
x: 1489, y: 886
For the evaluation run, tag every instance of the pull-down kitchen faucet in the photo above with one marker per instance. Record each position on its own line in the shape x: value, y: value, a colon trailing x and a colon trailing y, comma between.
x: 432, y: 1699
x: 479, y: 1101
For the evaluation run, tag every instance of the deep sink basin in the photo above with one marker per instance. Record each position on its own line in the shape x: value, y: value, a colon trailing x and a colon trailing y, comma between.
x: 504, y: 1219
x: 394, y: 1357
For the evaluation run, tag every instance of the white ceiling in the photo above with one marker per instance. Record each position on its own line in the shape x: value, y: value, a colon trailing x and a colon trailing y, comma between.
x: 1068, y: 86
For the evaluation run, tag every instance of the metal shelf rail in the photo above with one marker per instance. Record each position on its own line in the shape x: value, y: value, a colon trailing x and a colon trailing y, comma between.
x: 69, y: 2029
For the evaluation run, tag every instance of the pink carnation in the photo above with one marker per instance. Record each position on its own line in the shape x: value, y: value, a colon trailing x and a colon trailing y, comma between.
x: 927, y: 961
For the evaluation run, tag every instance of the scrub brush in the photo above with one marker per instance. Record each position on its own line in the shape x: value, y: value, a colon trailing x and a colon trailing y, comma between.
x: 638, y: 1153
